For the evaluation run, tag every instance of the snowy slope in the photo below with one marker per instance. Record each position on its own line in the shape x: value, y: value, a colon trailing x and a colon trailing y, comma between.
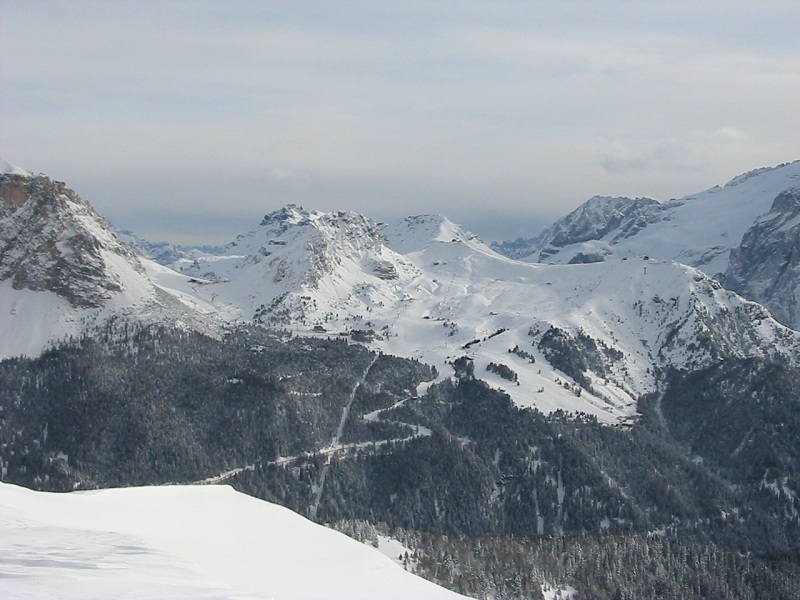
x: 183, y: 542
x: 63, y: 272
x: 414, y: 233
x: 6, y: 168
x: 586, y: 338
x: 698, y: 230
x: 442, y: 294
x: 300, y: 266
x: 654, y: 313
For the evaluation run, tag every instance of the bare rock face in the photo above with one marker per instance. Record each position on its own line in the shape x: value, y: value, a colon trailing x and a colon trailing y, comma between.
x: 766, y: 265
x: 599, y: 218
x: 52, y: 240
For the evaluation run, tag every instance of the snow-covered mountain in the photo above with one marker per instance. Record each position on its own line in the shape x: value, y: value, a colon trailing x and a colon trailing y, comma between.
x: 299, y: 267
x: 766, y: 266
x: 54, y: 241
x: 424, y: 288
x: 698, y: 230
x: 702, y: 230
x: 707, y: 379
x: 589, y: 338
x: 62, y: 270
x: 184, y: 542
x: 412, y: 234
x: 599, y: 219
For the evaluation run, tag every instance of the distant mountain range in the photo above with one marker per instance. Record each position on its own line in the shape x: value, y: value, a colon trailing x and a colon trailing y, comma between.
x: 616, y: 374
x: 421, y: 288
x: 742, y: 233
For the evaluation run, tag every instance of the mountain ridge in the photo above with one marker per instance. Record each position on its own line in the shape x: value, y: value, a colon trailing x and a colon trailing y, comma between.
x: 64, y: 272
x: 700, y: 230
x: 744, y: 198
x: 424, y: 288
x: 634, y: 400
x: 449, y: 295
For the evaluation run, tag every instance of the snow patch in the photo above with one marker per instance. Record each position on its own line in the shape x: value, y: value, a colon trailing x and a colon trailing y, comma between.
x: 6, y: 168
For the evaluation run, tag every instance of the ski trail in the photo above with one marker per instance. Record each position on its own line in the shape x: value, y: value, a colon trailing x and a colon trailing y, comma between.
x: 320, y: 487
x: 336, y: 448
x: 660, y: 412
x: 328, y: 453
x: 224, y: 476
x: 350, y: 400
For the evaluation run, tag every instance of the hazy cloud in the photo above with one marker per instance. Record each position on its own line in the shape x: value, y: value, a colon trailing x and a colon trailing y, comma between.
x: 494, y: 114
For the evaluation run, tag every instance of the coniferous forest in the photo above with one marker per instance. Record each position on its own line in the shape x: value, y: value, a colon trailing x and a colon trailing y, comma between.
x: 689, y: 502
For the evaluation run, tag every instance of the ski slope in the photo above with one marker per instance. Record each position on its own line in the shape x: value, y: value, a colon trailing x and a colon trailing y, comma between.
x: 442, y: 294
x: 424, y: 288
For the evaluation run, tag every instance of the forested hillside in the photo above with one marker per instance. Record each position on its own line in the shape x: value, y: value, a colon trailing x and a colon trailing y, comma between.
x: 339, y: 433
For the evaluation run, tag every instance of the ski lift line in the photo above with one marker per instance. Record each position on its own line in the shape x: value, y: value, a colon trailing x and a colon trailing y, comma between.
x: 320, y: 487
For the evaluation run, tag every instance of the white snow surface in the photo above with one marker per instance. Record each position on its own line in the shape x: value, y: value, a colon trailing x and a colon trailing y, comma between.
x: 430, y: 291
x: 180, y: 542
x: 412, y: 234
x: 424, y: 288
x: 32, y: 320
x: 6, y: 168
x: 698, y: 230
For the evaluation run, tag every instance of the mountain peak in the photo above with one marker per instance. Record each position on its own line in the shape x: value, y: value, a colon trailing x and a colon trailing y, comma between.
x: 6, y: 168
x: 274, y: 270
x: 54, y: 241
x: 698, y: 229
x: 63, y: 271
x: 414, y: 233
x: 291, y: 222
x: 590, y: 229
x: 291, y: 214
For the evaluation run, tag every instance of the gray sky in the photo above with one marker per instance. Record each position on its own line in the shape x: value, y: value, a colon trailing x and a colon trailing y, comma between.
x: 187, y: 121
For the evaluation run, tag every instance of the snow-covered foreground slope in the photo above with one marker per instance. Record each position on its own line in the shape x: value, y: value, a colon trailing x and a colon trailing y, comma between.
x: 183, y: 542
x: 698, y: 230
x: 441, y: 294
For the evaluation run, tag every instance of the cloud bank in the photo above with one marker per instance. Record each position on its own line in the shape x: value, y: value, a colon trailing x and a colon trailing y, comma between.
x: 188, y: 121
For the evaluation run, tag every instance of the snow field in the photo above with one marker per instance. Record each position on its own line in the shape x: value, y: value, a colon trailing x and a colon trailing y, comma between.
x: 184, y: 542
